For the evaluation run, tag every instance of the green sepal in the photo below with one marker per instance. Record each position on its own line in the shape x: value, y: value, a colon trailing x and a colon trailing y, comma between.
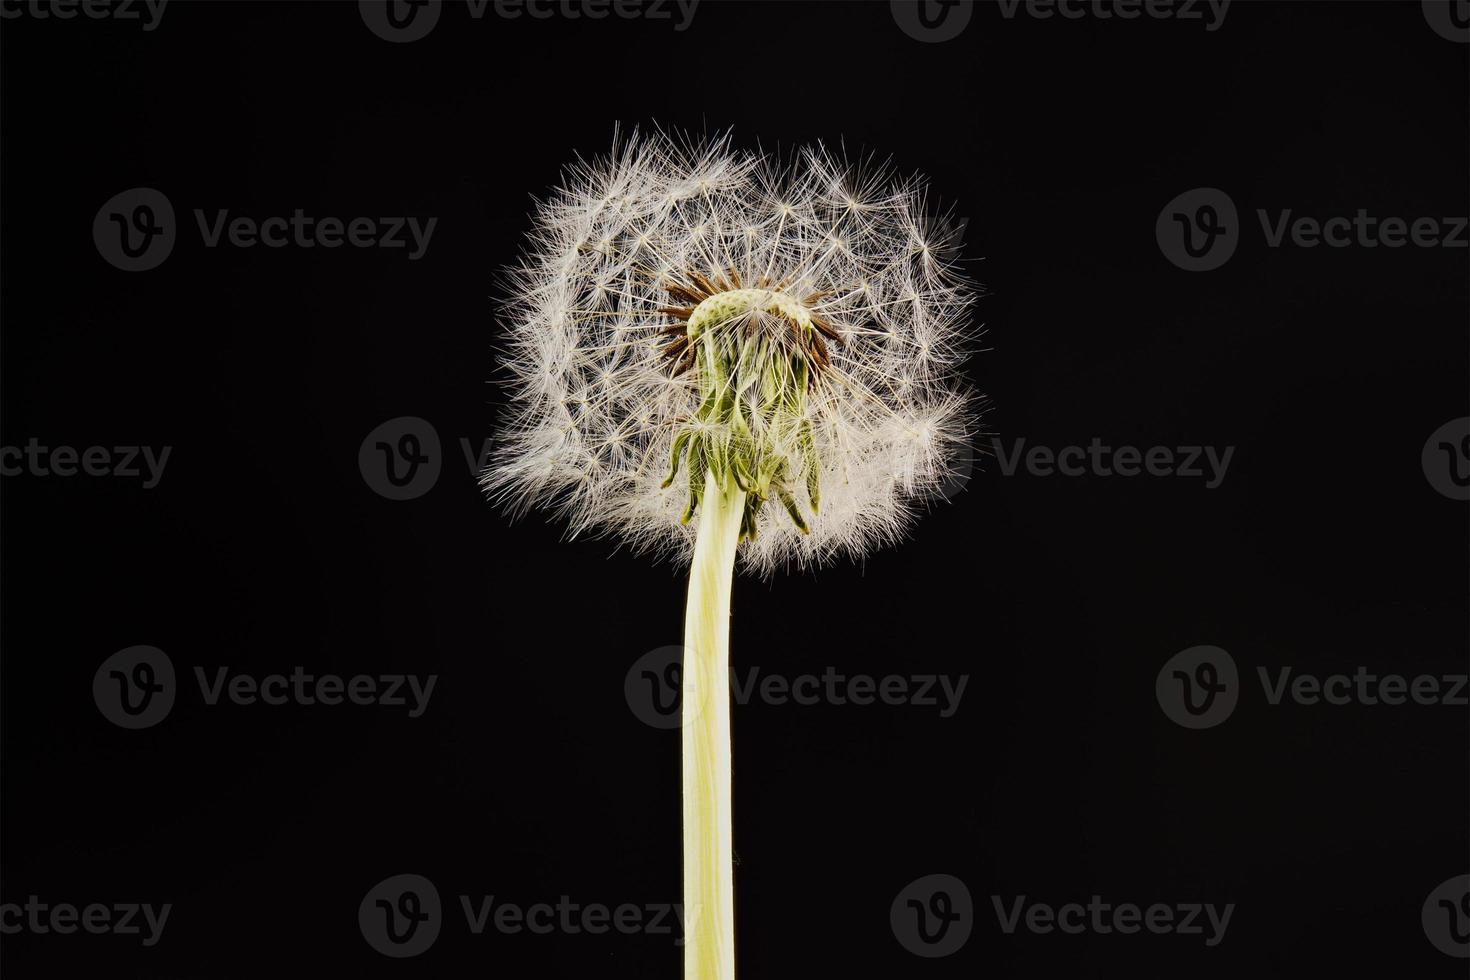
x: 770, y: 465
x: 748, y: 518
x: 717, y: 457
x: 743, y: 478
x: 789, y: 502
x: 809, y: 464
x: 697, y: 469
x: 676, y: 457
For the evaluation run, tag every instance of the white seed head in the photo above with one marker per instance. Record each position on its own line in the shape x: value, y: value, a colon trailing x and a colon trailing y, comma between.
x: 671, y: 262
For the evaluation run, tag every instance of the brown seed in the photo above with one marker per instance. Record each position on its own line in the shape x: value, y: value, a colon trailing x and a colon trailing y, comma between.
x: 682, y: 312
x: 686, y: 364
x: 708, y: 287
x: 827, y: 331
x: 685, y: 293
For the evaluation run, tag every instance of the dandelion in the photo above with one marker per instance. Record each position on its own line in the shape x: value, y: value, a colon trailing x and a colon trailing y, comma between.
x: 723, y: 357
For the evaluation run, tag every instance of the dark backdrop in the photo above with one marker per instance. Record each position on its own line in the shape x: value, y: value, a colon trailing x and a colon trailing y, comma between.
x: 1328, y: 548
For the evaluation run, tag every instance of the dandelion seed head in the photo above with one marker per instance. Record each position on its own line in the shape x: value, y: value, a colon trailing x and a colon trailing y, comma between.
x: 824, y: 274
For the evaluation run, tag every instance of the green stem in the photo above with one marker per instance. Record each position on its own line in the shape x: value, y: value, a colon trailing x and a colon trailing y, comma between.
x: 709, y: 898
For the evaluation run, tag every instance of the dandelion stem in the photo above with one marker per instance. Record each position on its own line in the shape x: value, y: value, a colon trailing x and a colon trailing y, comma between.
x: 709, y: 905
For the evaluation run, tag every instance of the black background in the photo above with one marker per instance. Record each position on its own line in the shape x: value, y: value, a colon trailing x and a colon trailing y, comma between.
x: 528, y: 778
